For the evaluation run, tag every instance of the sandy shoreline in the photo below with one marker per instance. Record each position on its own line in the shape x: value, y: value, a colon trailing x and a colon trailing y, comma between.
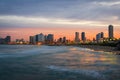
x: 101, y: 48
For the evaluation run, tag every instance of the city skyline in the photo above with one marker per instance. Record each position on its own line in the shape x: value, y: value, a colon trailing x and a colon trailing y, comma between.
x: 21, y: 19
x: 74, y: 36
x: 41, y: 38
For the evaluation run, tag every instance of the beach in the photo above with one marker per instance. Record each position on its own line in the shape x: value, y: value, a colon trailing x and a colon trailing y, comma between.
x: 102, y: 48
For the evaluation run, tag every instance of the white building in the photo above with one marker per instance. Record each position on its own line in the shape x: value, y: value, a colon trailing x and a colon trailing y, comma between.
x: 41, y: 38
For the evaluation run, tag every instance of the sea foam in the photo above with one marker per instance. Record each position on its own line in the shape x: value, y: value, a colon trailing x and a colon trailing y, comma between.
x: 90, y: 73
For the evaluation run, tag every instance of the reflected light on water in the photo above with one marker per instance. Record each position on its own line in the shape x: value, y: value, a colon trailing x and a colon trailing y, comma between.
x: 84, y: 59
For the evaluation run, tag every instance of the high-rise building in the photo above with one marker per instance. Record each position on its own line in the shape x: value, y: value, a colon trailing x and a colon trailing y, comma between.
x: 102, y: 35
x: 36, y: 38
x: 2, y: 41
x: 64, y: 40
x: 110, y: 31
x: 41, y: 38
x: 60, y: 40
x: 31, y: 39
x: 45, y: 37
x: 77, y: 37
x: 8, y: 39
x: 98, y: 37
x: 5, y: 40
x: 50, y: 38
x: 83, y: 38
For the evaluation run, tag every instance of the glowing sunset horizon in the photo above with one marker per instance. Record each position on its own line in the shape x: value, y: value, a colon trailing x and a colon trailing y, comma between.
x: 18, y: 33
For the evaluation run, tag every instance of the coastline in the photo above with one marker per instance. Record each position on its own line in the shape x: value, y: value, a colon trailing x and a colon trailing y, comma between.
x: 101, y: 48
x: 92, y: 47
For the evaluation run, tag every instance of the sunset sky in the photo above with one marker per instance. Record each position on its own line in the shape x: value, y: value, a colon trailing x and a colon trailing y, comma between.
x: 22, y: 18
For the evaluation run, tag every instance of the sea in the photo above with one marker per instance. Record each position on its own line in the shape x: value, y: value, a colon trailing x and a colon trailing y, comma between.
x: 33, y: 62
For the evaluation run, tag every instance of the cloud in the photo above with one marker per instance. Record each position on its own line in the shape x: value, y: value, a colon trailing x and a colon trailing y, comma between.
x: 29, y: 13
x: 106, y: 3
x: 21, y: 21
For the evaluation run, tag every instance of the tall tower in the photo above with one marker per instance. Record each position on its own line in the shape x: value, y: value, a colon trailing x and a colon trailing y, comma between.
x: 102, y: 35
x: 77, y: 37
x: 83, y: 36
x: 110, y: 31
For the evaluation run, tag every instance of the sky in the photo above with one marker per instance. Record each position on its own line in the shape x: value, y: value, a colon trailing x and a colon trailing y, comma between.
x: 22, y: 18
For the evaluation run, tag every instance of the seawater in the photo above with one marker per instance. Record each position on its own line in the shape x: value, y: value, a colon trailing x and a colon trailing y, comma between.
x: 30, y: 62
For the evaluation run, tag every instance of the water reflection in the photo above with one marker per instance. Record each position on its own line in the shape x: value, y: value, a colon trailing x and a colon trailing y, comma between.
x: 85, y: 59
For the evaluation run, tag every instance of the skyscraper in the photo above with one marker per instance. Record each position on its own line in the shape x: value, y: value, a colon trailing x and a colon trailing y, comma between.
x: 36, y: 38
x: 98, y: 37
x: 102, y: 35
x: 110, y: 31
x: 83, y: 36
x: 77, y: 37
x: 41, y: 37
x: 50, y: 38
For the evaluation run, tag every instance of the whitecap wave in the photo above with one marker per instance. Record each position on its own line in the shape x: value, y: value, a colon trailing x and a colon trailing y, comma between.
x: 91, y: 73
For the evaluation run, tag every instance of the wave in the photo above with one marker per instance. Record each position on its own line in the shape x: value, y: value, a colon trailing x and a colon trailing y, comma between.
x: 91, y: 73
x: 32, y: 51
